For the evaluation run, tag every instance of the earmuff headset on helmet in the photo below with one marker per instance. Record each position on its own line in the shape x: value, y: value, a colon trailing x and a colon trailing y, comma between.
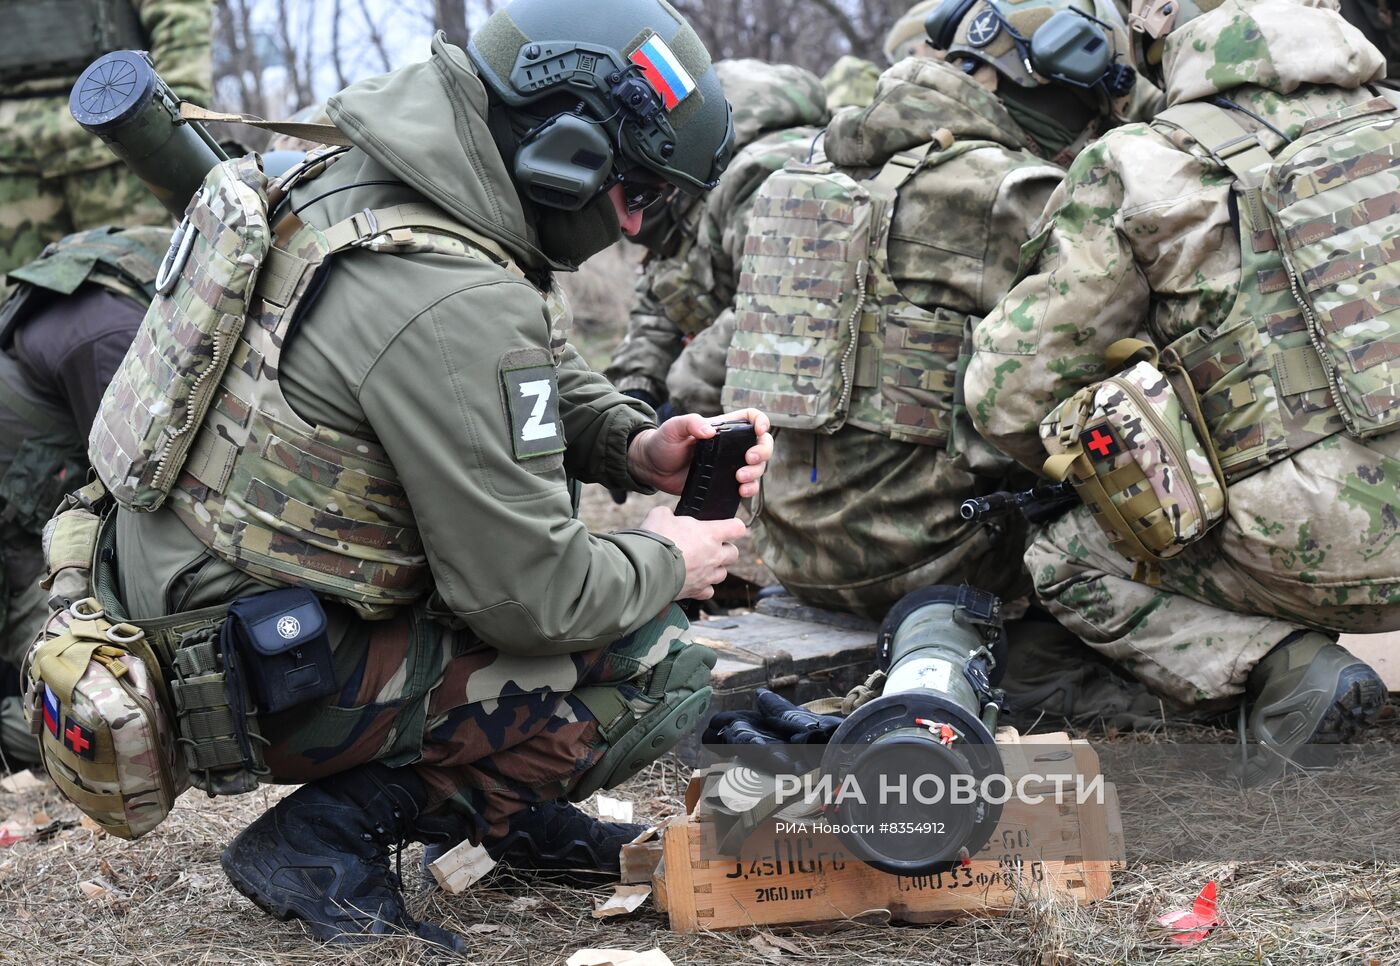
x: 567, y: 161
x: 1070, y: 47
x: 941, y: 25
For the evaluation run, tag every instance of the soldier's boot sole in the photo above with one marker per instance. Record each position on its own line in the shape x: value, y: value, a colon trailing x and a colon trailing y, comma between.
x: 1326, y: 698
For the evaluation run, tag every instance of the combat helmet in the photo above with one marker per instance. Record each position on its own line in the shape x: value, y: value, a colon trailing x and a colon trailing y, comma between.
x: 618, y: 92
x: 1079, y: 44
x: 907, y: 37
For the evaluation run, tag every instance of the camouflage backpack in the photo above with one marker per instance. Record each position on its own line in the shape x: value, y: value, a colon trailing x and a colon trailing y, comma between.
x: 1310, y: 347
x: 824, y: 337
x: 1138, y: 453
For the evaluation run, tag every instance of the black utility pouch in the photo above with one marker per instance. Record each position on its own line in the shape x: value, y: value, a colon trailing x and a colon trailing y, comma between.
x: 286, y: 654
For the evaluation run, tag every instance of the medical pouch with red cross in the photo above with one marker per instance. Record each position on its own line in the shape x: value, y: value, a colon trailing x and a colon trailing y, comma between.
x: 99, y: 711
x: 1139, y: 455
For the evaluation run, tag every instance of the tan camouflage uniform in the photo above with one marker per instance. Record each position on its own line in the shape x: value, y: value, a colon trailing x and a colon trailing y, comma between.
x: 778, y: 111
x: 55, y: 178
x: 857, y: 519
x: 850, y: 83
x: 1142, y: 245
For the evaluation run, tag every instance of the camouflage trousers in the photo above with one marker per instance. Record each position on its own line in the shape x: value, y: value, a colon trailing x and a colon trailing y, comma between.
x: 35, y: 210
x: 856, y: 521
x: 490, y: 733
x: 1311, y: 542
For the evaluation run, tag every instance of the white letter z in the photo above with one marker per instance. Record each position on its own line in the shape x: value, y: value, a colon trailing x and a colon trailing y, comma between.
x: 542, y: 390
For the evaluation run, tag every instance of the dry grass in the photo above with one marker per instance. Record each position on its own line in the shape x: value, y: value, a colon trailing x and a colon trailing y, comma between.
x: 171, y: 906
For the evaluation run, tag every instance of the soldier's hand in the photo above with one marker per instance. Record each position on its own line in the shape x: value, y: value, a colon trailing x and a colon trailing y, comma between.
x: 661, y: 457
x: 706, y: 545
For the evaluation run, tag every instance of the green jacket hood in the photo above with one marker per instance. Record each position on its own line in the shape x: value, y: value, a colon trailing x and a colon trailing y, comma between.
x: 770, y: 97
x: 914, y: 99
x: 1279, y: 45
x: 427, y: 124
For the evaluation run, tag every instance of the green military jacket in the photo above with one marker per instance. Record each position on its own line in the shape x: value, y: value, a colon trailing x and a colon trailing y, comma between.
x: 415, y: 352
x: 39, y: 136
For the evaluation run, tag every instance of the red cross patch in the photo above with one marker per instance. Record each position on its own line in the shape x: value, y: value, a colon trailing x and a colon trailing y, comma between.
x: 78, y: 739
x: 1100, y: 442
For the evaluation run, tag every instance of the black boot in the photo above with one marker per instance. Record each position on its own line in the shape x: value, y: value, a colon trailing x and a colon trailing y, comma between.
x: 557, y: 837
x: 1307, y: 690
x: 321, y: 855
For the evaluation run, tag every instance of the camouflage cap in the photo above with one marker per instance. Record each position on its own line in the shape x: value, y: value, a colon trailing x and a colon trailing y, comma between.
x: 908, y: 35
x: 770, y: 97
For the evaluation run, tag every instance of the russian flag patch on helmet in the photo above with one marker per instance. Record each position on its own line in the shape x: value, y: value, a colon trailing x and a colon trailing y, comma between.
x: 663, y: 70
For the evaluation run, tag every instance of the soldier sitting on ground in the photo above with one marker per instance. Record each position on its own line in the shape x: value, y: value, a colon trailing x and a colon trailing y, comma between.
x: 394, y: 440
x: 1232, y: 573
x: 857, y: 358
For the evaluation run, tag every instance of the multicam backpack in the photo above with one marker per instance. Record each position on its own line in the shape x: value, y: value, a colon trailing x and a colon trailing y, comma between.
x: 1309, y: 349
x: 824, y: 337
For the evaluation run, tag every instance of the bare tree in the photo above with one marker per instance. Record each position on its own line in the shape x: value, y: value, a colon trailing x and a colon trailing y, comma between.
x: 337, y: 58
x: 450, y: 16
x: 376, y: 36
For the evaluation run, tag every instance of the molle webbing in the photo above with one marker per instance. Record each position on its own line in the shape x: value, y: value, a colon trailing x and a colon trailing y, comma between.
x: 824, y: 336
x: 292, y: 503
x: 1265, y: 389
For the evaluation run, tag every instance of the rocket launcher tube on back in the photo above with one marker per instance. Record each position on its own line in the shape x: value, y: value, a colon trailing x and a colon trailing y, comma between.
x: 121, y: 99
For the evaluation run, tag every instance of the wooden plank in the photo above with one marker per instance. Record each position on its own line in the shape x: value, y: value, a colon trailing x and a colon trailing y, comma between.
x: 679, y: 888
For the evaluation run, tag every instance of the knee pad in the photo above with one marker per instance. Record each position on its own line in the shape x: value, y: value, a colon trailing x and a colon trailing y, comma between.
x: 635, y: 731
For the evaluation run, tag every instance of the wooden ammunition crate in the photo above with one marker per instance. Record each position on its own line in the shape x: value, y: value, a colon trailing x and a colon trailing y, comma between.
x: 1068, y: 848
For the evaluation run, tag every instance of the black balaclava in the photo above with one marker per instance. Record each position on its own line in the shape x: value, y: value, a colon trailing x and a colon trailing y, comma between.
x: 1054, y: 116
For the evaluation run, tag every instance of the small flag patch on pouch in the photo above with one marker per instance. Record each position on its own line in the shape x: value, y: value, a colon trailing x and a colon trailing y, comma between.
x: 663, y: 70
x: 50, y: 711
x: 78, y: 739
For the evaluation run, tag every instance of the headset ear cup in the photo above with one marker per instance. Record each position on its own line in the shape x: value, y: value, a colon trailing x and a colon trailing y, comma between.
x: 1072, y: 49
x: 564, y: 163
x: 942, y: 22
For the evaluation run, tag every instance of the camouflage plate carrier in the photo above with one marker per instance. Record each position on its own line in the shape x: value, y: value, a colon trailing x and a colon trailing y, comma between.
x: 124, y: 261
x: 1310, y: 347
x: 49, y: 461
x: 196, y: 413
x: 824, y: 337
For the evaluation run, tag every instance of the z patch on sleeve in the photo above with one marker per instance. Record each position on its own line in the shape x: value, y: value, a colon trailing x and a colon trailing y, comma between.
x: 532, y: 399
